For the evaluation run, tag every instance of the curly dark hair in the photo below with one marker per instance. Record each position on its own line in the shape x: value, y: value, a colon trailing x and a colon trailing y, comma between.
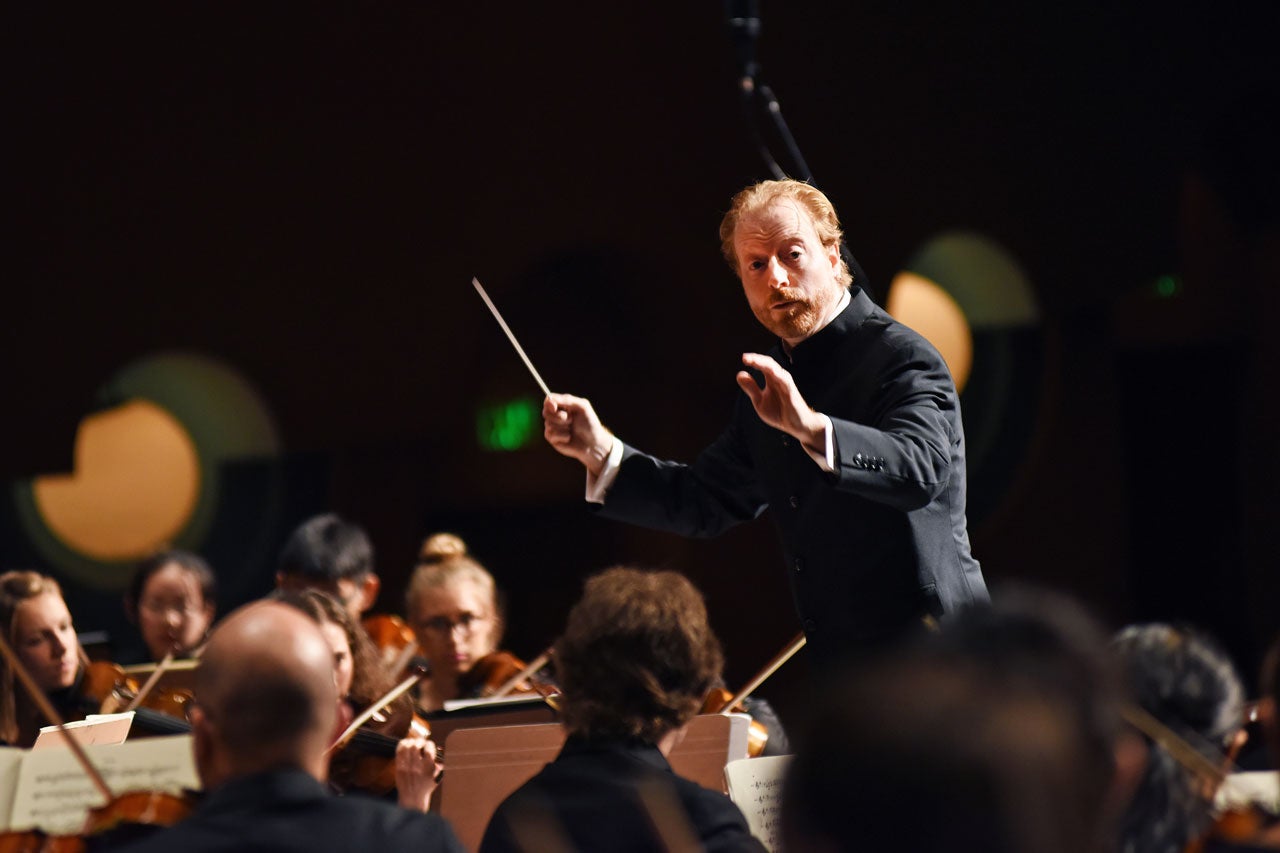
x: 1184, y: 679
x: 369, y: 680
x: 637, y: 657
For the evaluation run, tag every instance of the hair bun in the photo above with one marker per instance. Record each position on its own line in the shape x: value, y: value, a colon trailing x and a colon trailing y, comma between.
x: 439, y: 547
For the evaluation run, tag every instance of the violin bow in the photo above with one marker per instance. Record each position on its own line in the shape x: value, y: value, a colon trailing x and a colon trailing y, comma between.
x: 401, y: 661
x: 150, y: 683
x: 1176, y: 745
x: 390, y: 696
x: 510, y: 684
x: 54, y: 718
x: 769, y: 669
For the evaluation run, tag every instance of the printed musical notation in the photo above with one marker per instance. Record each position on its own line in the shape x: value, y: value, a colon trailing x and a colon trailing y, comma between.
x: 755, y: 785
x: 52, y: 792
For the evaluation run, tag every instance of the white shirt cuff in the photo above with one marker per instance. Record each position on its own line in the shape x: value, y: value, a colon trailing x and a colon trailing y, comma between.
x: 598, y: 486
x: 826, y: 462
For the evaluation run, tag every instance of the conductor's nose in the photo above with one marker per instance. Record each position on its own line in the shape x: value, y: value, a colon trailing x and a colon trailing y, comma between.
x: 777, y: 274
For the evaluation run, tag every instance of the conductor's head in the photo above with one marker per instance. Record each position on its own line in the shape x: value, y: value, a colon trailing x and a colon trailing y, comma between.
x: 266, y: 695
x: 637, y: 656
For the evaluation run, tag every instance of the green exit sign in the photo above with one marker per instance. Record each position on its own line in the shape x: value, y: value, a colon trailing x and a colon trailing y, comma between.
x: 510, y: 425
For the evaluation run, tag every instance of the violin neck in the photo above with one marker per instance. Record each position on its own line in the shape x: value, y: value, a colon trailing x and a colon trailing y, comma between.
x: 374, y: 743
x: 159, y: 724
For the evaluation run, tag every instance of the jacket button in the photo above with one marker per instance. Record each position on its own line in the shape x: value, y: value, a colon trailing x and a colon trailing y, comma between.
x: 798, y: 564
x: 810, y: 626
x: 794, y: 501
x: 786, y: 442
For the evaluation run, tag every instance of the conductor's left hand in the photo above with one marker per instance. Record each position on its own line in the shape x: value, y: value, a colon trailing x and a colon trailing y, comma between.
x: 780, y: 404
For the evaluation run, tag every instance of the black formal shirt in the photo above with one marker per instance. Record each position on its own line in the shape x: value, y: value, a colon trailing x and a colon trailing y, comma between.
x: 616, y: 796
x: 287, y: 810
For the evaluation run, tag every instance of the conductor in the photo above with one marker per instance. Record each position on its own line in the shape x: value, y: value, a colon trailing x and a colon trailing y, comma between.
x: 848, y: 431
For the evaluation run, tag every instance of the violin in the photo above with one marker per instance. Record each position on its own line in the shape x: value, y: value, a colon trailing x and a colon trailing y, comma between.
x: 501, y: 673
x: 717, y: 702
x: 128, y: 812
x: 106, y: 689
x: 124, y: 818
x: 394, y: 640
x: 1241, y: 825
x: 366, y: 761
x: 363, y: 756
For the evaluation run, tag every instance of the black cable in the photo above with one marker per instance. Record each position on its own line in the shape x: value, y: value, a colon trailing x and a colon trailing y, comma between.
x: 743, y: 19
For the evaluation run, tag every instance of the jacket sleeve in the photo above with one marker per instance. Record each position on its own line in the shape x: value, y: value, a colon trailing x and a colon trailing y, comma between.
x: 719, y: 490
x: 902, y: 453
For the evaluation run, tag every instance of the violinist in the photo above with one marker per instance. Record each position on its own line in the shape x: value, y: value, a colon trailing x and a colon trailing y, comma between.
x: 1256, y: 830
x: 38, y: 625
x: 635, y: 661
x: 452, y: 606
x: 333, y: 555
x: 360, y: 681
x: 268, y: 709
x: 1187, y: 682
x: 173, y: 600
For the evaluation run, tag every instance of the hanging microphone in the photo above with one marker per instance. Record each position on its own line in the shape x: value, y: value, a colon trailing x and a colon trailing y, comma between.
x: 743, y: 18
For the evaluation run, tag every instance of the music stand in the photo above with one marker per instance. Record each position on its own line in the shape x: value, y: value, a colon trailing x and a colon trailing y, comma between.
x: 485, y: 766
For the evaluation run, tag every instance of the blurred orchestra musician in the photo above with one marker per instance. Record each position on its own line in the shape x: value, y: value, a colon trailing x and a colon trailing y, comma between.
x: 361, y: 681
x: 634, y: 662
x: 268, y: 710
x: 1256, y: 829
x: 1185, y: 680
x: 1001, y: 734
x: 453, y: 607
x: 38, y: 626
x: 333, y: 555
x: 172, y: 598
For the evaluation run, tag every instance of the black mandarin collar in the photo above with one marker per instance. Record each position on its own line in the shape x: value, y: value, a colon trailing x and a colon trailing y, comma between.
x: 815, y: 349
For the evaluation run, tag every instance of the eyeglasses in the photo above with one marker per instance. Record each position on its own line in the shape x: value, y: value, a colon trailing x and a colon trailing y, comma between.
x: 162, y: 608
x: 443, y: 625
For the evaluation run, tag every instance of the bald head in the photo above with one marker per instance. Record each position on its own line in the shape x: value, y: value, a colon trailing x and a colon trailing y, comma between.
x: 266, y: 693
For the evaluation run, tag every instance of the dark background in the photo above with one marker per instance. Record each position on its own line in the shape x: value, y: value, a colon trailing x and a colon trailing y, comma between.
x: 305, y: 194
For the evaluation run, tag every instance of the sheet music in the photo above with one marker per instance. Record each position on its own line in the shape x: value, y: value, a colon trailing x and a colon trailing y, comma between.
x: 490, y: 702
x: 10, y: 761
x: 54, y: 794
x: 93, y: 729
x: 755, y: 785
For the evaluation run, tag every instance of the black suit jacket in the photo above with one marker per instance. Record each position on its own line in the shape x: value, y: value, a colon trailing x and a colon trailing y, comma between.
x: 608, y: 796
x: 288, y: 810
x: 871, y: 547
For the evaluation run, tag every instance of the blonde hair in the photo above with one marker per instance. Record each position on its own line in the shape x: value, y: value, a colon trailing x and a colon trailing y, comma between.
x: 444, y: 559
x: 753, y: 199
x: 15, y: 588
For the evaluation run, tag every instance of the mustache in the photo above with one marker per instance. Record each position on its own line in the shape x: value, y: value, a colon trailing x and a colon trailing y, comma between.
x: 787, y: 296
